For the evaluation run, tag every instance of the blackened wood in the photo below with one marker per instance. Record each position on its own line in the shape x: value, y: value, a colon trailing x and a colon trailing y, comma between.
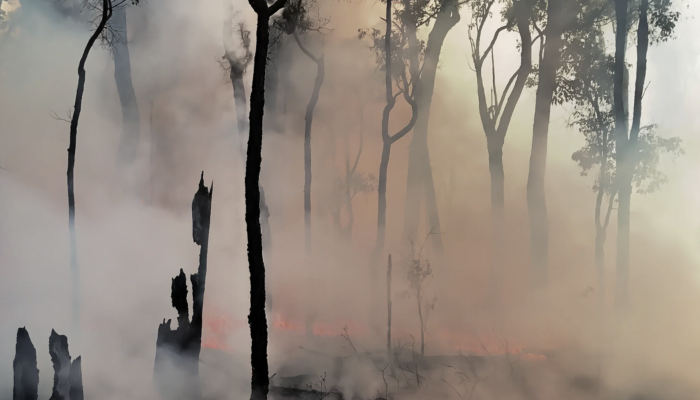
x: 176, y: 367
x: 60, y: 357
x: 76, y: 380
x: 26, y: 374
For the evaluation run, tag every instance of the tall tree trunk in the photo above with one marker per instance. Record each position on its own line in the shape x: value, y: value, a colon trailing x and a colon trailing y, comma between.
x: 257, y: 319
x: 419, y: 181
x: 77, y: 108
x: 387, y: 139
x: 131, y: 119
x: 537, y: 206
x: 627, y: 153
x: 309, y: 118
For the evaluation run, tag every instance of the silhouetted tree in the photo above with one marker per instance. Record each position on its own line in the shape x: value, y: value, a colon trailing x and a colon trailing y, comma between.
x: 295, y: 20
x: 239, y: 58
x: 497, y: 112
x: 105, y: 10
x: 656, y: 23
x: 393, y: 55
x: 257, y: 320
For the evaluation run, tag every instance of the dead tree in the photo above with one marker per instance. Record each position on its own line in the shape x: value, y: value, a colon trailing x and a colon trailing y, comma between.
x: 176, y: 370
x: 67, y: 378
x: 257, y: 319
x: 106, y: 13
x: 26, y: 374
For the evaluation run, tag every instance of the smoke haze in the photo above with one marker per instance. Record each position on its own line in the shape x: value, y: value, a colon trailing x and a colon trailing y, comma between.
x: 129, y: 247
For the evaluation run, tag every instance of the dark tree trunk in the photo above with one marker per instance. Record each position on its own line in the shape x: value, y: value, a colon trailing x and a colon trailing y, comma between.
x: 388, y: 139
x: 26, y: 374
x: 419, y: 170
x: 309, y: 117
x: 60, y: 357
x: 76, y: 380
x: 388, y: 307
x: 177, y: 351
x: 241, y: 108
x: 257, y: 320
x: 77, y: 108
x: 537, y: 206
x: 131, y: 119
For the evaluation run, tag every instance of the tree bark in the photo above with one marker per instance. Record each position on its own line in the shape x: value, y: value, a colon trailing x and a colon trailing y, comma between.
x: 388, y: 139
x: 131, y: 119
x: 627, y: 146
x: 60, y: 358
x: 420, y: 176
x: 537, y: 206
x: 309, y: 118
x: 178, y: 351
x: 77, y: 108
x: 256, y: 319
x: 26, y: 374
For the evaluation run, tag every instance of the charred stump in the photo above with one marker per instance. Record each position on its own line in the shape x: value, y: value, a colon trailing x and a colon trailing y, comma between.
x: 176, y: 370
x: 67, y: 378
x: 26, y: 374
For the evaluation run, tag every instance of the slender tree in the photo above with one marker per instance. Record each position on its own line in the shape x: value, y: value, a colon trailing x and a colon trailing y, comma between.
x: 308, y: 118
x: 131, y: 119
x: 627, y: 143
x: 257, y: 320
x: 393, y: 55
x: 106, y: 11
x: 239, y: 58
x: 497, y: 112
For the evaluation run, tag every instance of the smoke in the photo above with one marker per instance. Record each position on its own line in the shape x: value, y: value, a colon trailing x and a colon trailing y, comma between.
x: 130, y: 248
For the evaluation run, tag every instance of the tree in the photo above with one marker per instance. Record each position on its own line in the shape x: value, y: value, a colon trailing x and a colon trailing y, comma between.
x: 296, y: 20
x: 393, y: 55
x: 517, y: 16
x: 239, y: 58
x: 566, y: 20
x: 257, y: 320
x: 106, y: 11
x: 656, y: 23
x: 131, y: 119
x: 587, y: 83
x: 420, y: 177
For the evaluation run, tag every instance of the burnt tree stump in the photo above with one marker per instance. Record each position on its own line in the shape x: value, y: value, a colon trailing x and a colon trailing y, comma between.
x: 26, y: 374
x: 176, y: 370
x: 67, y: 376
